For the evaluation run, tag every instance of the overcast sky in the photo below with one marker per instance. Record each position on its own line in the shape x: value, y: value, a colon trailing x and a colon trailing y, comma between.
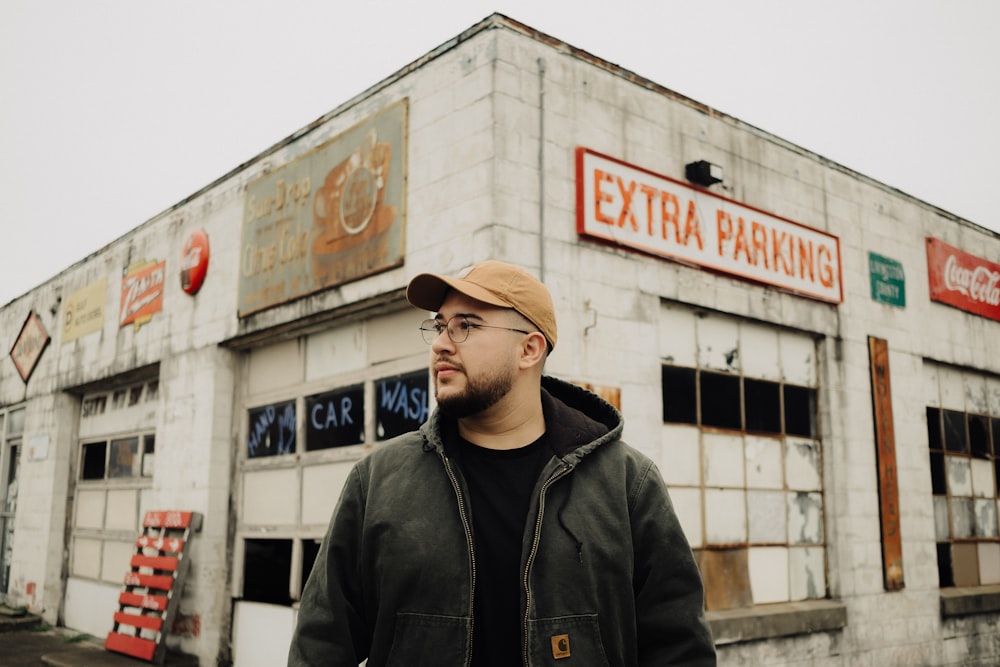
x: 111, y: 111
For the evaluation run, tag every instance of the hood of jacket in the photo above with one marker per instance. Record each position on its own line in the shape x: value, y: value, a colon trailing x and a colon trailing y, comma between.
x: 577, y: 421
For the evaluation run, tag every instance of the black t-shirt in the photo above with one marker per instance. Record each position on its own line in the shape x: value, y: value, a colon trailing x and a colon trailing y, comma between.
x: 500, y: 484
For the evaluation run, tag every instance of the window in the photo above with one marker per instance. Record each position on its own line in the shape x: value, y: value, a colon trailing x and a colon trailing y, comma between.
x: 335, y: 418
x: 731, y: 402
x: 127, y: 457
x: 314, y: 406
x: 114, y: 473
x: 965, y: 465
x: 11, y: 434
x: 271, y: 430
x: 266, y: 570
x: 741, y: 454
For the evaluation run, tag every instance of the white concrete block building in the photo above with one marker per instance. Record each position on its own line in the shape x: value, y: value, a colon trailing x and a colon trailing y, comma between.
x: 812, y: 358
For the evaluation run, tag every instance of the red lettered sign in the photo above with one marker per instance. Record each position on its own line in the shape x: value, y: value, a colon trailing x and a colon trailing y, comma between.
x: 142, y: 293
x: 629, y: 206
x: 962, y: 280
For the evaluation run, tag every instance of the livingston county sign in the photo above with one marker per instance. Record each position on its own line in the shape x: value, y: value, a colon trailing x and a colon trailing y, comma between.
x: 632, y: 207
x: 328, y: 217
x: 962, y: 280
x: 887, y: 280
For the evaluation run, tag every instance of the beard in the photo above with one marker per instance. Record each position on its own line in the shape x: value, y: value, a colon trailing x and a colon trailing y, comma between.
x: 480, y: 394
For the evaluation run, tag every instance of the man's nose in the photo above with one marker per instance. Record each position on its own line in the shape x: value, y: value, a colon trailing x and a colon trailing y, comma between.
x: 442, y: 341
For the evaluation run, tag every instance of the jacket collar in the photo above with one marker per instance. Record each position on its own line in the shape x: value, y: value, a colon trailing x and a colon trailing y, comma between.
x: 577, y: 421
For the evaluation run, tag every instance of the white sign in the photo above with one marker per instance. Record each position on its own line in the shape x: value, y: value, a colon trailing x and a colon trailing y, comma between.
x: 636, y: 208
x: 38, y: 447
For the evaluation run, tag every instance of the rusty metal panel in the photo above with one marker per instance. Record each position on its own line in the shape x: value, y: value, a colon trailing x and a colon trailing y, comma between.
x: 885, y: 449
x: 726, y: 575
x: 333, y: 215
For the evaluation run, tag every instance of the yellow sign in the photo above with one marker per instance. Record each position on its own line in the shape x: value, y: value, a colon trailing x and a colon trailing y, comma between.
x: 83, y: 311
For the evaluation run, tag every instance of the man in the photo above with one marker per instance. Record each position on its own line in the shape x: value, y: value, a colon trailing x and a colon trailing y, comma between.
x: 515, y: 527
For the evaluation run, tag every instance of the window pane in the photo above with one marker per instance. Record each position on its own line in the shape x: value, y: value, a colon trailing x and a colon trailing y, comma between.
x: 400, y: 404
x: 272, y: 430
x: 939, y: 483
x: 800, y: 411
x: 979, y: 435
x: 148, y: 455
x: 94, y: 455
x: 335, y: 418
x: 15, y: 422
x: 995, y: 427
x: 934, y: 428
x: 945, y: 578
x: 125, y: 459
x: 720, y: 401
x: 267, y: 568
x: 763, y: 405
x: 310, y: 549
x: 963, y: 517
x: 954, y: 431
x: 680, y: 396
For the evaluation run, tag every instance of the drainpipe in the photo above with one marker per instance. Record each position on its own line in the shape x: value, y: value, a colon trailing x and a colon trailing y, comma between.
x: 541, y: 170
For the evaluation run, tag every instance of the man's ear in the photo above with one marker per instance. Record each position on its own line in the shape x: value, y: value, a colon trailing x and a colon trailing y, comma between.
x: 534, y: 349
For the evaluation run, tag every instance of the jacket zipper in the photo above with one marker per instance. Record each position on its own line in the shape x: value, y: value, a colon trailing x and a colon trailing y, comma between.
x: 472, y: 552
x: 531, y: 556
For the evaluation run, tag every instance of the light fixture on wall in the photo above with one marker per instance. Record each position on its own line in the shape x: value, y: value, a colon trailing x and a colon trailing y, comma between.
x: 703, y: 173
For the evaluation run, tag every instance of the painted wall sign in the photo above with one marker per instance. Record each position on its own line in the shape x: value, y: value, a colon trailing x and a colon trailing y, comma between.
x: 271, y: 430
x: 887, y: 280
x: 83, y: 311
x: 142, y: 293
x: 962, y: 280
x: 632, y: 207
x: 194, y: 261
x: 401, y: 404
x: 885, y: 450
x: 30, y: 344
x: 335, y: 418
x: 331, y: 216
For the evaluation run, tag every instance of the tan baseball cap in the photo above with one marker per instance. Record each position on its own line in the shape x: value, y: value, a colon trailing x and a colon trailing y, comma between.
x: 496, y: 283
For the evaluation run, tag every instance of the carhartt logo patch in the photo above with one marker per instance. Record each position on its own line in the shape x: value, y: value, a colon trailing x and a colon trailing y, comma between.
x: 560, y: 646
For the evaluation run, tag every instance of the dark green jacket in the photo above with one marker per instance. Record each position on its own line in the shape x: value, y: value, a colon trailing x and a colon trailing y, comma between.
x: 609, y: 578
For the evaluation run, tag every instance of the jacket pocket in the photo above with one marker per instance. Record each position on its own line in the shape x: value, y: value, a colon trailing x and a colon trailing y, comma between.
x: 421, y: 640
x: 566, y: 640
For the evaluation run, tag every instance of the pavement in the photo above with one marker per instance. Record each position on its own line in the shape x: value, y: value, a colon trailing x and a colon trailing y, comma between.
x: 27, y: 641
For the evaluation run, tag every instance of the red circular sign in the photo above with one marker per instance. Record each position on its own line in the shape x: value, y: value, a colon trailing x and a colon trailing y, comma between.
x: 194, y: 261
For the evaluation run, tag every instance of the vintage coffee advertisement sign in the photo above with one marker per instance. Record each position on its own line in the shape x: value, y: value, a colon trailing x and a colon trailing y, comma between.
x: 963, y: 280
x: 333, y: 215
x: 633, y: 207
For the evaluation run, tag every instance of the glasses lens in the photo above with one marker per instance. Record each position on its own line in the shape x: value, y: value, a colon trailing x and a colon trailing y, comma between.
x: 430, y: 329
x: 458, y: 329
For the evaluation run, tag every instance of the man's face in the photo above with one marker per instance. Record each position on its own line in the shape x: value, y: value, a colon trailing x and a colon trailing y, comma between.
x: 472, y: 376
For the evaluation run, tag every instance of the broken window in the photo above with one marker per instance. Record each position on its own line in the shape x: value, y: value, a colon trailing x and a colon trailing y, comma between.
x: 742, y: 456
x: 964, y: 451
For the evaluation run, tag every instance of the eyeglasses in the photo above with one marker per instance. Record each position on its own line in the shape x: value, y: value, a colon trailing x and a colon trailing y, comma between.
x: 458, y: 328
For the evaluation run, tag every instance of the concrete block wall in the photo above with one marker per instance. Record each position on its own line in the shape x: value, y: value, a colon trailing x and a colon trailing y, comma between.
x: 584, y: 105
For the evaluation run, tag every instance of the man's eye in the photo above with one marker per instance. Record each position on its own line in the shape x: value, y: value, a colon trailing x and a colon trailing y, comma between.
x: 439, y: 327
x: 466, y: 325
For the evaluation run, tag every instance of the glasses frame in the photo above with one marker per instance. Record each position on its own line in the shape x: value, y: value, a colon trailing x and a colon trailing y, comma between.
x: 431, y: 328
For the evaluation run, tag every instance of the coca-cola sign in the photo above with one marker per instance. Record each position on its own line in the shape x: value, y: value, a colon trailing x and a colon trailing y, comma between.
x: 962, y: 280
x: 194, y: 261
